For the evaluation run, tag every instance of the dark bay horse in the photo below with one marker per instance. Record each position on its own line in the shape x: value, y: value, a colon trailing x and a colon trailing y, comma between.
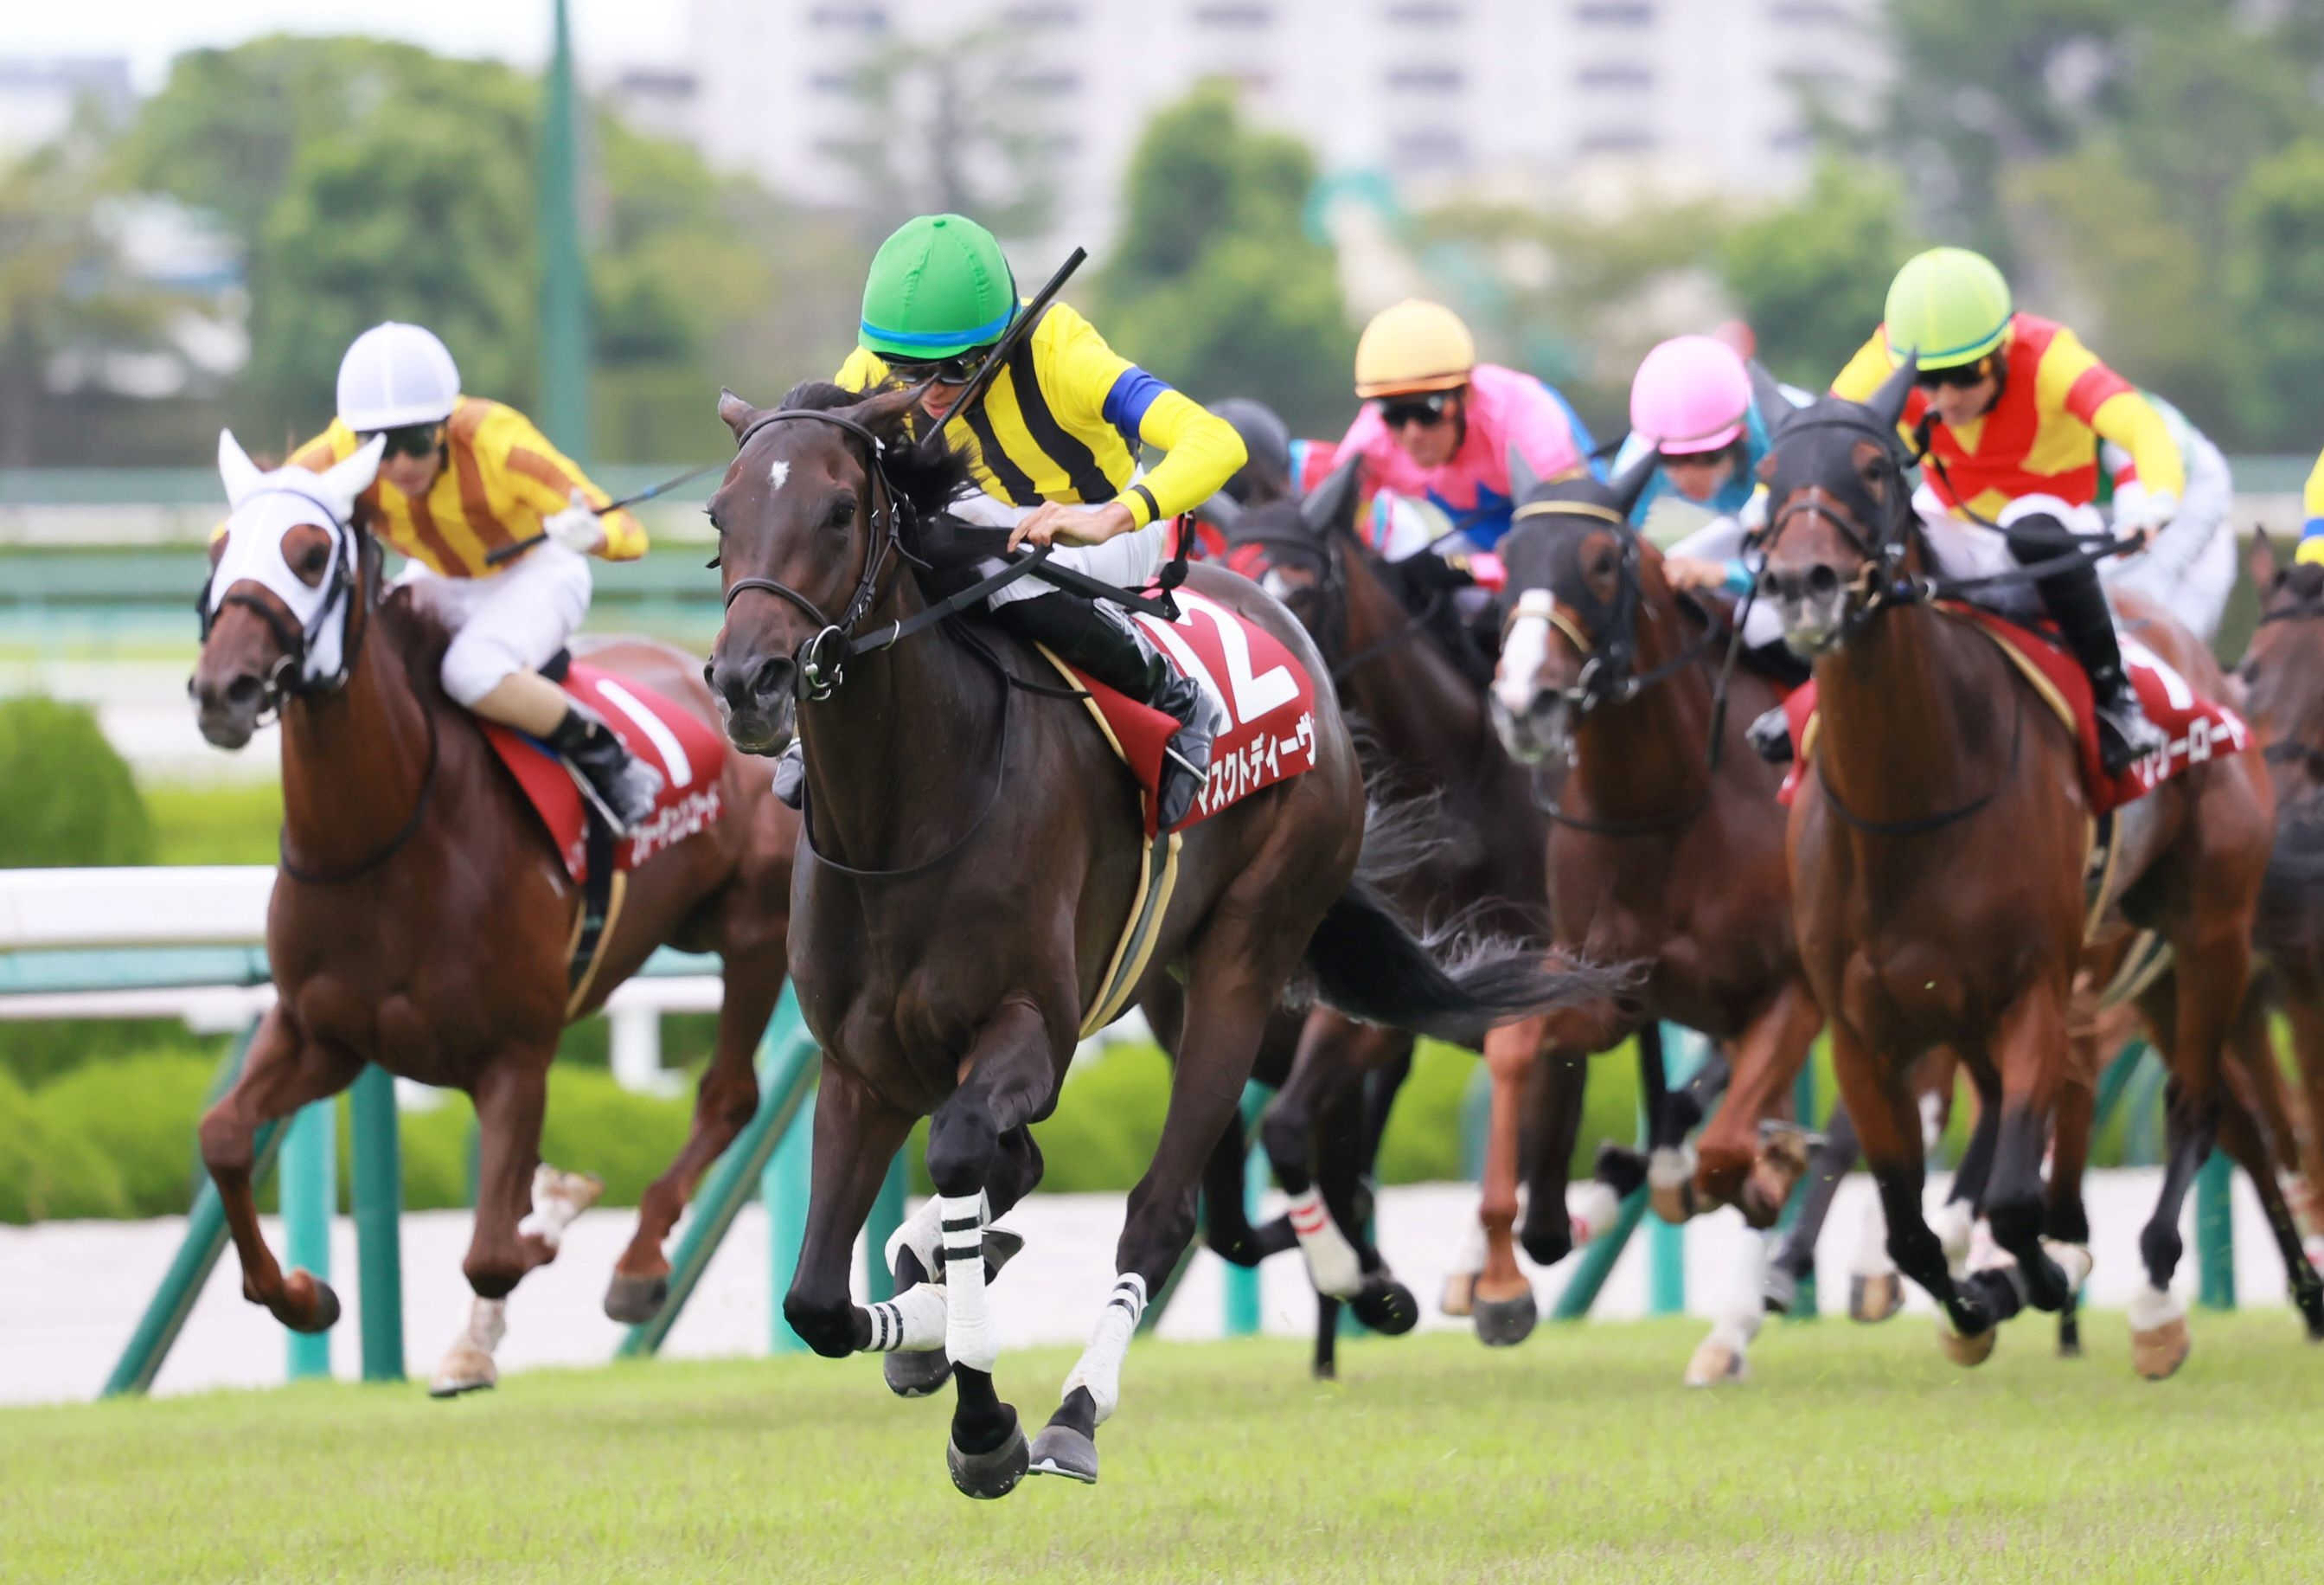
x: 1665, y: 841
x: 1938, y: 847
x: 423, y: 916
x: 971, y: 853
x: 1423, y: 719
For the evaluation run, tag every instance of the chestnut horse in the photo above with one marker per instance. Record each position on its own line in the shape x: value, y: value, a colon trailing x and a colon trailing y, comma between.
x: 423, y: 916
x: 1666, y: 842
x: 968, y: 862
x: 1938, y: 847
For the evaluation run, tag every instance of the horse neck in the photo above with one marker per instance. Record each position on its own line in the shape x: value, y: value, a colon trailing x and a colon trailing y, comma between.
x: 354, y: 761
x: 1641, y: 756
x: 896, y: 759
x: 1917, y: 715
x: 1417, y: 704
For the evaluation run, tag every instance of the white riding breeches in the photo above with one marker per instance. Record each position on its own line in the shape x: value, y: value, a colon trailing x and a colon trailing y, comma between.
x: 512, y: 621
x: 1966, y: 549
x: 1129, y: 561
x: 2189, y: 568
x: 1722, y: 540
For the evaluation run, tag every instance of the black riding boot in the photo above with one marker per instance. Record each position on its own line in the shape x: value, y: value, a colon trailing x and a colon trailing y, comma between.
x: 1097, y: 637
x: 625, y: 785
x: 2078, y: 605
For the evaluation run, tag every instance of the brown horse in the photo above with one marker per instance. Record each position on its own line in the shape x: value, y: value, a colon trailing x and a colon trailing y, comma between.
x: 969, y: 858
x: 422, y: 917
x: 1938, y: 847
x: 1666, y: 842
x: 1424, y: 721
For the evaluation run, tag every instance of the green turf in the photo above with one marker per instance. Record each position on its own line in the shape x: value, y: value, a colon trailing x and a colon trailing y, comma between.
x: 1857, y: 1453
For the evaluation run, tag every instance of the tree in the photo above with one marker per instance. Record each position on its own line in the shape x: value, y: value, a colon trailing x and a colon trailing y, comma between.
x: 1214, y: 282
x: 1810, y: 278
x: 2278, y: 292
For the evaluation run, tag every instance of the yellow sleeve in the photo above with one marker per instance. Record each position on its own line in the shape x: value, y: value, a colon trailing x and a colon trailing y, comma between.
x: 2311, y: 499
x: 2130, y: 420
x: 540, y: 479
x: 1866, y: 372
x: 1099, y: 387
x: 862, y: 370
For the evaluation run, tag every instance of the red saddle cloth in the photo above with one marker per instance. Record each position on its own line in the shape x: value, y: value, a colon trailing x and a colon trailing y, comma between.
x: 2196, y: 727
x: 675, y: 741
x: 1268, y: 698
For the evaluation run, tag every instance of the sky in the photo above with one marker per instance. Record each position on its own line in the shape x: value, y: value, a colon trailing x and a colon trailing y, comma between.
x: 608, y: 35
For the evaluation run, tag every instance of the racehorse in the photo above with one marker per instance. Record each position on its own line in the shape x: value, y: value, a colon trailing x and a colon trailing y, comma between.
x: 1666, y: 840
x: 423, y: 916
x: 965, y: 868
x: 1427, y: 721
x: 1938, y: 846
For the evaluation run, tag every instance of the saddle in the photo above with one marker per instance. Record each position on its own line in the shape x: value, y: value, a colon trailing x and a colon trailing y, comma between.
x: 691, y: 758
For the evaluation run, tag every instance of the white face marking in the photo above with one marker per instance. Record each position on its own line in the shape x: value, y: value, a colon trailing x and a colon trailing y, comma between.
x: 1522, y: 654
x: 779, y: 474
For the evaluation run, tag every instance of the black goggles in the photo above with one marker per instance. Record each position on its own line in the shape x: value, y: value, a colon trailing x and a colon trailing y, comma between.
x: 1962, y: 374
x: 417, y: 440
x: 957, y: 370
x: 1426, y: 410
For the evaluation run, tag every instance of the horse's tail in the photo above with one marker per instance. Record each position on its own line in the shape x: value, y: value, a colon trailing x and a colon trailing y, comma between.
x: 1452, y: 983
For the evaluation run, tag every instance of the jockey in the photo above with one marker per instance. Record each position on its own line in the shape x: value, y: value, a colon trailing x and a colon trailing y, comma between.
x: 2312, y: 501
x: 2007, y: 410
x: 460, y: 477
x: 1690, y: 403
x: 1055, y: 448
x: 2189, y: 566
x: 1438, y: 434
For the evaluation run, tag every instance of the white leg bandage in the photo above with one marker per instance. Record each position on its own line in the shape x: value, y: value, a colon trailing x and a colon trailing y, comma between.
x: 2152, y: 1307
x: 487, y: 1323
x: 1871, y: 1256
x: 968, y: 1320
x: 1670, y: 1167
x: 1592, y: 1207
x: 914, y: 1319
x: 1332, y: 1264
x: 1098, y: 1369
x: 1470, y: 1258
x: 1952, y: 1225
x: 922, y: 1233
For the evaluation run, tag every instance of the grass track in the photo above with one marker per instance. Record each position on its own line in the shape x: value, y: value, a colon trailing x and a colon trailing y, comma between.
x: 1857, y: 1453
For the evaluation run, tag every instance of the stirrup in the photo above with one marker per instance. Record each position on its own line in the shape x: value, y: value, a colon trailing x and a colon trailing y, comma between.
x: 2126, y: 735
x: 1770, y: 737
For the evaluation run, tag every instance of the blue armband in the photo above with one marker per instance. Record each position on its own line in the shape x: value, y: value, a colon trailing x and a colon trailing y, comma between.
x: 1738, y: 580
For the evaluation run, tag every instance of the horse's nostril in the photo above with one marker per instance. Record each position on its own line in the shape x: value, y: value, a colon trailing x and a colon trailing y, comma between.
x: 710, y: 675
x: 1822, y: 578
x: 242, y: 690
x: 772, y: 676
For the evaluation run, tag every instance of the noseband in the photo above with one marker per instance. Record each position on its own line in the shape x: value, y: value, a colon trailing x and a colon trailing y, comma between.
x: 287, y: 678
x: 1609, y: 657
x: 1886, y: 579
x: 820, y: 663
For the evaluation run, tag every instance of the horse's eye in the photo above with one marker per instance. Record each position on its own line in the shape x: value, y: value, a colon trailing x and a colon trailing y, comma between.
x: 842, y: 514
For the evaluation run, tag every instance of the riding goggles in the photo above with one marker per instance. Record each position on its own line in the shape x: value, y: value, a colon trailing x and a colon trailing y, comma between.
x: 1963, y: 374
x: 1427, y: 411
x: 418, y: 439
x: 957, y: 370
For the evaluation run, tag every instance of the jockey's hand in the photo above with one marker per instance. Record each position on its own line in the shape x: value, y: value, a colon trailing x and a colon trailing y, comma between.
x: 1694, y: 573
x: 1075, y: 525
x: 2140, y: 514
x: 578, y: 527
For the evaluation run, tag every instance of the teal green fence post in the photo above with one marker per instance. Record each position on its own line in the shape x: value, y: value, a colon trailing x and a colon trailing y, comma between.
x: 788, y: 1064
x: 887, y: 1215
x: 310, y: 1195
x: 1683, y: 1053
x: 198, y: 1256
x: 1596, y: 1261
x: 1242, y: 1304
x: 378, y: 1183
x: 783, y: 1189
x: 2215, y: 1232
x: 564, y: 301
x: 1476, y: 1120
x: 1804, y: 1106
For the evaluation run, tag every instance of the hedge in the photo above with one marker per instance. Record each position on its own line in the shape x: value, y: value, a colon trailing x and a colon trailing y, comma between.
x: 71, y: 800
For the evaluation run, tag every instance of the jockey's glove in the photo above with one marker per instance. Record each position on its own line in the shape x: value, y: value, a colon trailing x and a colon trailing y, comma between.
x: 576, y: 528
x: 2140, y: 511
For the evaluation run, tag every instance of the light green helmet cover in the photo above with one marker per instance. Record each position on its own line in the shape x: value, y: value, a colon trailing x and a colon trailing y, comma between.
x: 1949, y: 305
x: 937, y: 287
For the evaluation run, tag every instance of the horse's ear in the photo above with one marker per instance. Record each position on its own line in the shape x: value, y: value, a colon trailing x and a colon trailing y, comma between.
x: 1332, y: 504
x: 883, y: 413
x: 1631, y: 482
x: 1887, y: 403
x: 1523, y: 479
x: 345, y: 480
x: 2260, y: 560
x: 1775, y: 409
x: 735, y: 412
x: 1221, y: 512
x: 241, y: 475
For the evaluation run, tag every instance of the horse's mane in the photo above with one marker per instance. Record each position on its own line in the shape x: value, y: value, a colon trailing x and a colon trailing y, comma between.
x: 929, y: 473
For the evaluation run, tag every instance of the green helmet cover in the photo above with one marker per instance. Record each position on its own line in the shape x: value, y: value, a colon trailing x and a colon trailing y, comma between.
x: 1949, y: 305
x: 938, y: 287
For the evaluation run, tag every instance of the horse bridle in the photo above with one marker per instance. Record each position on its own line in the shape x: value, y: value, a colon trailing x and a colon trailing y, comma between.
x: 820, y: 663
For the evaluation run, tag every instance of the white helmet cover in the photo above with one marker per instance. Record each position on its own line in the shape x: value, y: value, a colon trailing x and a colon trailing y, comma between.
x: 396, y: 374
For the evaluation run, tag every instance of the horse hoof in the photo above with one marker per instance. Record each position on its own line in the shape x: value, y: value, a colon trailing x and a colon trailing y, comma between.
x: 1673, y: 1203
x: 466, y: 1369
x: 633, y: 1301
x: 1060, y: 1450
x: 1387, y: 1306
x: 1874, y: 1297
x: 916, y: 1373
x: 1968, y: 1351
x: 1780, y: 1291
x: 1460, y: 1294
x: 1503, y: 1324
x: 2158, y: 1353
x: 995, y: 1474
x: 1714, y: 1362
x: 322, y: 1305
